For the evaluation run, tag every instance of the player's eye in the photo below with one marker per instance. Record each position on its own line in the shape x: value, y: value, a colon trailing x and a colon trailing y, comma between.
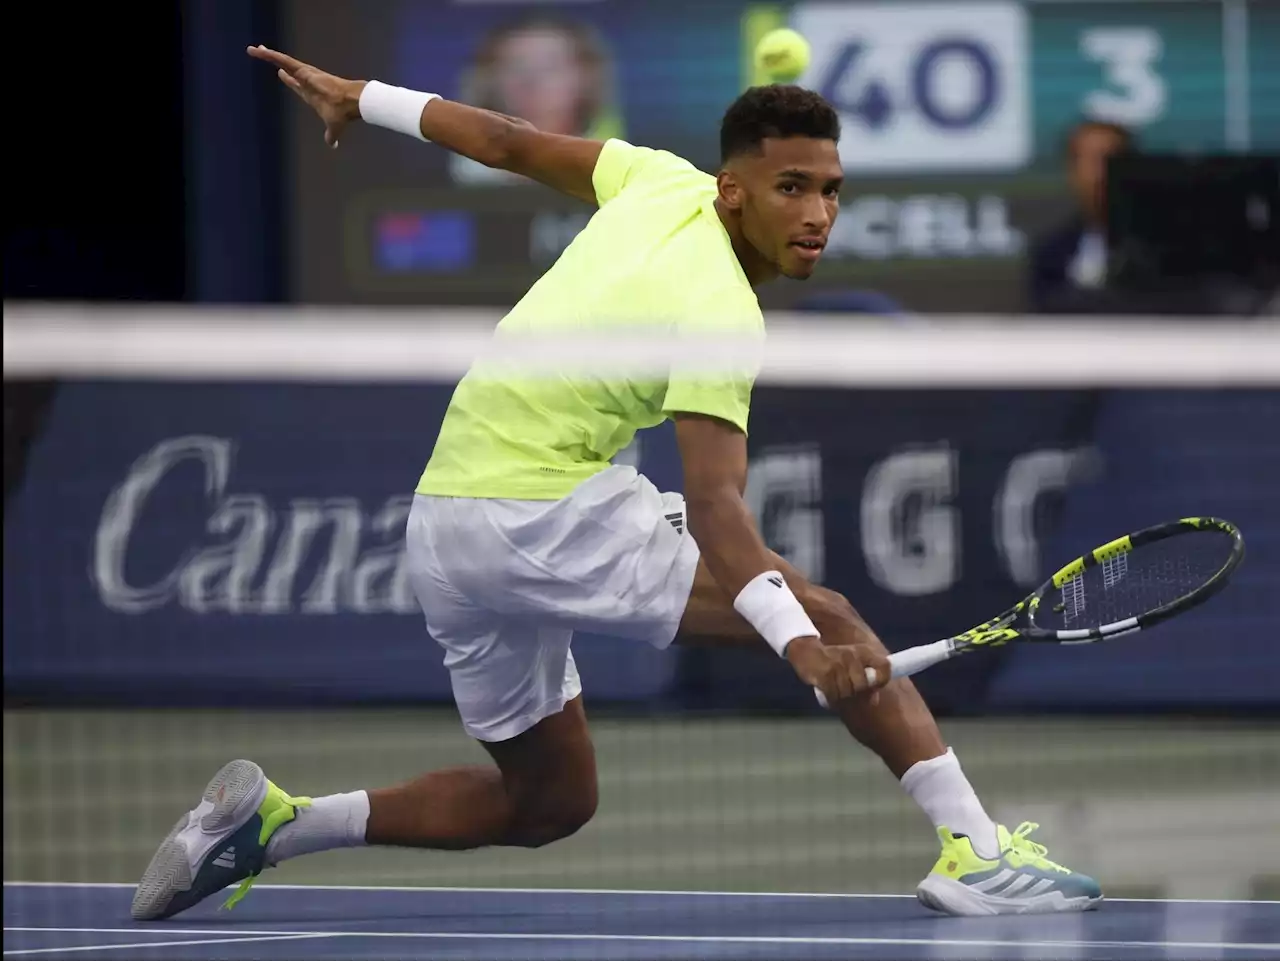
x: 831, y: 191
x: 789, y: 188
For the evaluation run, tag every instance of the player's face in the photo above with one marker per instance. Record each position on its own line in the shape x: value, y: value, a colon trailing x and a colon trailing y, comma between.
x: 790, y: 199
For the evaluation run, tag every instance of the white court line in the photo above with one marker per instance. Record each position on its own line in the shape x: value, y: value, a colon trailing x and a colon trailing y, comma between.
x: 696, y: 939
x: 641, y: 893
x: 156, y: 944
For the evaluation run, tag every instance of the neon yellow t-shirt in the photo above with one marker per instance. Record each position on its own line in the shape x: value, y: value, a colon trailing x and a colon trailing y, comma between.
x: 655, y: 253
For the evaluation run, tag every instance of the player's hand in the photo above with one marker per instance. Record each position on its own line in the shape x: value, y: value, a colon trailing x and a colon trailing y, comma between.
x: 337, y: 101
x: 838, y: 671
x: 842, y: 626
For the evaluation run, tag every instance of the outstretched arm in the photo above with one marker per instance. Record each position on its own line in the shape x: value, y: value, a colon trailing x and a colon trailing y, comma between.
x: 493, y: 139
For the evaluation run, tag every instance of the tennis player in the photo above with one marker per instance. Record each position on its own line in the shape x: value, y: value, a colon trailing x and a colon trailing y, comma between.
x: 522, y: 532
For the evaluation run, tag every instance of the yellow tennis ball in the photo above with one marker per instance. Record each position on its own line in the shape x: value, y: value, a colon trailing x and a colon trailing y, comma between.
x: 782, y: 55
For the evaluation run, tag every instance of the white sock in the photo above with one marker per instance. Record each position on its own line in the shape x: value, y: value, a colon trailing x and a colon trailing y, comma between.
x: 941, y: 789
x: 336, y: 821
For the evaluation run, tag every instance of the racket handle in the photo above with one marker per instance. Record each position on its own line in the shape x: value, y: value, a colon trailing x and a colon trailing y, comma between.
x: 905, y: 663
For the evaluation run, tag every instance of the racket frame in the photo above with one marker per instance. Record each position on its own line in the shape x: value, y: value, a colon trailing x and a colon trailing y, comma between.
x: 1018, y: 622
x: 1123, y: 545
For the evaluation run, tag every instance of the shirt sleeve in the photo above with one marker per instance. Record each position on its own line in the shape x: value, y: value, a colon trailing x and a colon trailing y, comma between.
x: 722, y: 386
x: 622, y: 165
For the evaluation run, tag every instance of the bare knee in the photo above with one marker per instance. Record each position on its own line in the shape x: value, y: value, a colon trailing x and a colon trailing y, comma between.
x: 549, y: 775
x: 551, y: 815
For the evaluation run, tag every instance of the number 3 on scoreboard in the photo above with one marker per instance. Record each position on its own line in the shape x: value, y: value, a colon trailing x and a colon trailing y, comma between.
x: 1128, y: 56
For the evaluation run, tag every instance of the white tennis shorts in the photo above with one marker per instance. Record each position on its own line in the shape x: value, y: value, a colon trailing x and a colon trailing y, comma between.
x: 505, y: 583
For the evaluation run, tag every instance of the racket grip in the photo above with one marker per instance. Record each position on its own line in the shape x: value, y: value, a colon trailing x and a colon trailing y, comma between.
x: 905, y: 663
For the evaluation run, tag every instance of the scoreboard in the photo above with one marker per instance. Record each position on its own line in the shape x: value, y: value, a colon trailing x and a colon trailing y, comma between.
x: 953, y: 115
x: 1017, y: 74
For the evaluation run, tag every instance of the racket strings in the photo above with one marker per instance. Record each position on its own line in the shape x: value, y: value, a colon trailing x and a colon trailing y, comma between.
x: 1136, y: 582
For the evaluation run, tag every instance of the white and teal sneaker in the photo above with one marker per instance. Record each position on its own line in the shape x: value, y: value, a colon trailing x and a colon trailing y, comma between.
x: 1021, y: 881
x: 221, y: 841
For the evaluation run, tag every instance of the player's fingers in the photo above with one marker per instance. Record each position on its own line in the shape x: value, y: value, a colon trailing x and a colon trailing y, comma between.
x: 852, y: 668
x: 840, y: 681
x: 829, y: 696
x: 290, y: 81
x: 847, y: 688
x: 830, y: 685
x: 275, y: 56
x: 878, y: 665
x: 260, y: 52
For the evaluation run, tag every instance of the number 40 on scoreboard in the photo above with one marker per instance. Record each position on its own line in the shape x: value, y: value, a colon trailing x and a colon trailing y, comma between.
x: 929, y: 86
x: 923, y: 85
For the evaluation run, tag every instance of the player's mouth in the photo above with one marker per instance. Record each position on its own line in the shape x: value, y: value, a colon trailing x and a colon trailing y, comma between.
x: 809, y: 248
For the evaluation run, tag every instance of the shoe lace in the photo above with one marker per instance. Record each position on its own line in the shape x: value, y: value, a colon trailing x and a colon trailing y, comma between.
x: 281, y: 815
x: 240, y: 892
x: 1033, y: 851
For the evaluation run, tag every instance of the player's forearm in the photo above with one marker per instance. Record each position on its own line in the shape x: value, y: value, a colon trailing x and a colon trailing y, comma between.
x: 735, y: 553
x: 746, y: 570
x: 481, y: 135
x: 563, y: 163
x: 731, y: 547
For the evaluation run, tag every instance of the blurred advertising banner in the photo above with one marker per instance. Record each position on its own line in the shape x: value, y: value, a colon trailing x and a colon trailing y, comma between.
x: 954, y: 117
x: 235, y: 544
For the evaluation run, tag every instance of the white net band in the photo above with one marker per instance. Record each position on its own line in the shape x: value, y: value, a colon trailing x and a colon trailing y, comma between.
x: 315, y: 344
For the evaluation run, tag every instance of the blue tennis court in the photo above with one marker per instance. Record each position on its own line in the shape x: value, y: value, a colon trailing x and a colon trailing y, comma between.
x: 283, y: 921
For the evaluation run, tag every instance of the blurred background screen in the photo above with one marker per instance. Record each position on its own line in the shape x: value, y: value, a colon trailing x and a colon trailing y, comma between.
x: 954, y: 115
x: 1193, y: 219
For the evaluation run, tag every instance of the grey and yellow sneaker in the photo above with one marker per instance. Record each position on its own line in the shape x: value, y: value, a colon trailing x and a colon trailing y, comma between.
x: 1021, y: 881
x: 221, y: 841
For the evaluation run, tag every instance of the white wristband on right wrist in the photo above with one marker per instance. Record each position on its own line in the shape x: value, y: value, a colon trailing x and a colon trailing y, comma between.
x: 769, y: 606
x: 395, y: 108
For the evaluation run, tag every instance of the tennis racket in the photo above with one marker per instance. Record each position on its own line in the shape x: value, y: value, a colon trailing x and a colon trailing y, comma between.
x: 1126, y: 585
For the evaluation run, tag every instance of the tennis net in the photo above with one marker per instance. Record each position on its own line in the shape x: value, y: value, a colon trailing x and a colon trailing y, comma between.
x: 204, y: 514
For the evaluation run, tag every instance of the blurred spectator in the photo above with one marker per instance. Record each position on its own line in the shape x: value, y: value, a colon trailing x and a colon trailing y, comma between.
x: 1069, y: 265
x: 555, y: 73
x: 26, y: 402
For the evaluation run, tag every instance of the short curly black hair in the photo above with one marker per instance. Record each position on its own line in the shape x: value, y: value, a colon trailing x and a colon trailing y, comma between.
x: 776, y: 110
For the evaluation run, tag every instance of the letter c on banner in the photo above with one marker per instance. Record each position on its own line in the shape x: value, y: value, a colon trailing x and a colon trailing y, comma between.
x: 120, y: 514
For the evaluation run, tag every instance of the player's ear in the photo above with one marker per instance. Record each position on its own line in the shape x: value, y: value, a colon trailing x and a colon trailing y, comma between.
x: 730, y: 189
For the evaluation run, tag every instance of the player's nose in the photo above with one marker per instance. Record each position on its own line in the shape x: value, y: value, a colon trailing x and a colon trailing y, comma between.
x: 817, y: 216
